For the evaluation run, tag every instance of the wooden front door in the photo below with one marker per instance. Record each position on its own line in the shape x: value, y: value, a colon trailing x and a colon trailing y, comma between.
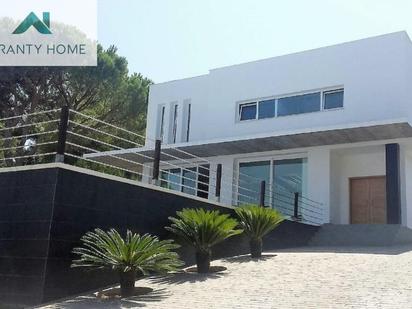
x: 368, y: 200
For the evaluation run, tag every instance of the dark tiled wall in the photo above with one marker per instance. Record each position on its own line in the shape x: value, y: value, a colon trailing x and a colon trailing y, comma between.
x: 71, y: 203
x: 26, y: 203
x: 84, y: 202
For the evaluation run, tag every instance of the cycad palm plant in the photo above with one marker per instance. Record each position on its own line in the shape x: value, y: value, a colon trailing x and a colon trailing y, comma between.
x: 135, y: 254
x: 203, y: 229
x: 257, y: 222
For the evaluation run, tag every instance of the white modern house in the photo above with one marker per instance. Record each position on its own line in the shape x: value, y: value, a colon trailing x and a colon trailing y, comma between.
x: 333, y: 124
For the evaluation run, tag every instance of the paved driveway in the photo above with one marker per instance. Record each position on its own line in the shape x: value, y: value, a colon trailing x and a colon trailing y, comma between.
x: 302, y: 278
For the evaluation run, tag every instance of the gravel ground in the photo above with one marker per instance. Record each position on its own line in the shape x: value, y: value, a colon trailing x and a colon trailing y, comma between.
x: 296, y: 278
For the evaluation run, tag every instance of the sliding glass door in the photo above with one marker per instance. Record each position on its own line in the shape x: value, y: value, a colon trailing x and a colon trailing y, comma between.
x: 250, y: 175
x: 283, y: 178
x: 289, y: 176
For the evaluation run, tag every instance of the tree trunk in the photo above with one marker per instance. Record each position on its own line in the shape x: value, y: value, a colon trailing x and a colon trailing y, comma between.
x: 127, y: 280
x: 203, y: 261
x: 256, y: 247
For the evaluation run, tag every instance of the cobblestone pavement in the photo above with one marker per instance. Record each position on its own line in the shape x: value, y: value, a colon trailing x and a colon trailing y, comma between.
x: 299, y: 278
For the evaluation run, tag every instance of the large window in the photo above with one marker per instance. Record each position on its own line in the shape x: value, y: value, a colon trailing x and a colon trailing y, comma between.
x: 283, y: 178
x: 291, y: 105
x: 190, y: 180
x: 267, y: 109
x: 289, y: 176
x: 249, y: 186
x: 299, y: 104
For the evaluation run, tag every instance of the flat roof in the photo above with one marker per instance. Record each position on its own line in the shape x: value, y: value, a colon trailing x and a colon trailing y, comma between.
x: 394, y: 35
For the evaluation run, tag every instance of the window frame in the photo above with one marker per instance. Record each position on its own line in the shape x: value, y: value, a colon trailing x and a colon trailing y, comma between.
x: 175, y: 123
x: 265, y: 100
x: 326, y: 92
x: 256, y: 101
x: 251, y: 161
x: 162, y: 122
x: 178, y: 185
x: 189, y: 118
x: 194, y: 170
x: 249, y: 103
x: 196, y: 181
x: 298, y: 95
x: 272, y: 159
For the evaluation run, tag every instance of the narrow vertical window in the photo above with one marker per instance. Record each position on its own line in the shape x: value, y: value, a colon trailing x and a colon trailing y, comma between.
x: 174, y: 132
x: 162, y: 122
x: 189, y: 110
x: 203, y: 181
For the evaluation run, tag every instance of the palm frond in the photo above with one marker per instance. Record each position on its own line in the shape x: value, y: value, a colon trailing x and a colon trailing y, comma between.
x: 134, y: 252
x: 258, y: 221
x: 203, y: 229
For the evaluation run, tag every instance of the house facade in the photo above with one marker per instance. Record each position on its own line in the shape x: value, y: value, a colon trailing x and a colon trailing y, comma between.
x: 333, y: 124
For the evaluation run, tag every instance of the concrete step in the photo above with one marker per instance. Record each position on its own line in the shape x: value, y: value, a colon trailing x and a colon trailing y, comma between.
x: 361, y: 235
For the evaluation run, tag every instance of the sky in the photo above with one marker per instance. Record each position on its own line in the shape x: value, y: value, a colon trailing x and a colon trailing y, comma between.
x: 172, y: 39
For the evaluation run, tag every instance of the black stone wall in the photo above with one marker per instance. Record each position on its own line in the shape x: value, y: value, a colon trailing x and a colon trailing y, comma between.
x: 26, y: 204
x: 43, y: 214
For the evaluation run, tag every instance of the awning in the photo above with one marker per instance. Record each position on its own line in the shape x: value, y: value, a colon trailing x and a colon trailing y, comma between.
x: 259, y: 144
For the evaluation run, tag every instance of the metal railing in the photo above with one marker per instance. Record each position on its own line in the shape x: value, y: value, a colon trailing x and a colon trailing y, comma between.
x: 71, y: 137
x: 29, y: 138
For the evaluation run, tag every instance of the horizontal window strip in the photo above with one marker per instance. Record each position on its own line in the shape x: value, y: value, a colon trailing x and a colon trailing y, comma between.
x: 291, y: 105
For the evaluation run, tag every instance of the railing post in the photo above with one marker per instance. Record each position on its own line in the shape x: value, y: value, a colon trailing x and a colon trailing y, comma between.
x: 218, y: 181
x: 296, y: 206
x: 262, y: 193
x: 156, y: 161
x: 62, y: 134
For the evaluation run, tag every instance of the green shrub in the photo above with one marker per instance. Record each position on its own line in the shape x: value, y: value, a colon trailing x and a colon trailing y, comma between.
x: 129, y: 256
x: 203, y: 229
x: 257, y: 222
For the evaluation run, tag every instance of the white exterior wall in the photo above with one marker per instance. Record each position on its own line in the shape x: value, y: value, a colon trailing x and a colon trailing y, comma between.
x: 406, y: 188
x: 330, y: 169
x: 172, y: 93
x: 373, y: 72
x: 226, y: 194
x: 319, y: 178
x: 407, y: 79
x: 361, y: 162
x: 376, y: 75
